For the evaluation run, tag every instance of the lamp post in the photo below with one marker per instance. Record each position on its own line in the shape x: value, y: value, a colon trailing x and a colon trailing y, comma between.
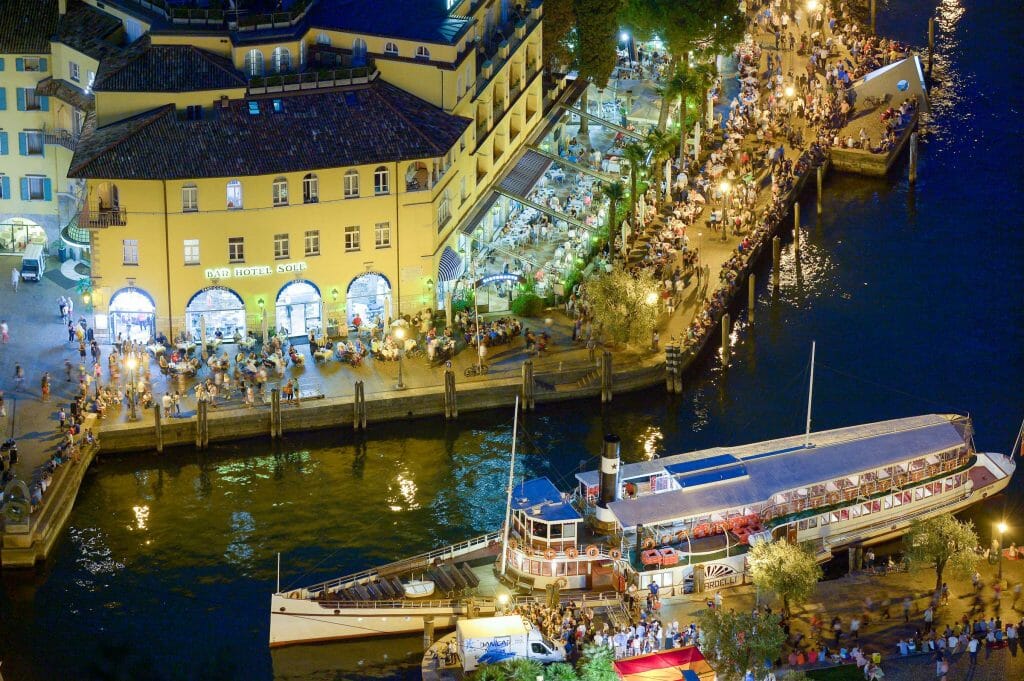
x: 131, y: 364
x: 628, y: 39
x: 725, y: 188
x: 812, y: 6
x: 398, y: 331
x: 1001, y: 529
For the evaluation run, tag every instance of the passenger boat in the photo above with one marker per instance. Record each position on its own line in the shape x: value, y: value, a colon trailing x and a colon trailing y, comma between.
x: 684, y: 521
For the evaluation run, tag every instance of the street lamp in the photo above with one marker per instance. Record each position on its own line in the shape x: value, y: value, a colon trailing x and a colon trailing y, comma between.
x: 1001, y: 528
x: 725, y: 188
x: 628, y: 39
x: 132, y: 363
x: 398, y: 331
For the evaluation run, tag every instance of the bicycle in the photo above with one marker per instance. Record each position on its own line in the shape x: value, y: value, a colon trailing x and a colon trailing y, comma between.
x: 477, y: 370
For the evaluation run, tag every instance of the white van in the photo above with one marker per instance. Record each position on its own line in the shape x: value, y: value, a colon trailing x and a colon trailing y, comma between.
x: 493, y: 640
x: 33, y: 263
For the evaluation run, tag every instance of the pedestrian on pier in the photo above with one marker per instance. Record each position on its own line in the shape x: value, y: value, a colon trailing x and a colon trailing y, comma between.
x: 906, y: 610
x: 4, y: 331
x: 44, y: 386
x: 19, y: 376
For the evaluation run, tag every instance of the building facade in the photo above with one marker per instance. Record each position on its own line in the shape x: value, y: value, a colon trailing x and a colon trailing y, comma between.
x: 302, y: 167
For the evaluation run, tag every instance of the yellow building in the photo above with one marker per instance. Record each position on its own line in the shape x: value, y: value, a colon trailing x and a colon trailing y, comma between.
x: 304, y: 167
x: 49, y: 54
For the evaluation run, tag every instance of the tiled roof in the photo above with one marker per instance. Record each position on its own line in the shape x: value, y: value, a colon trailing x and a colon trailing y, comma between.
x: 167, y: 68
x: 66, y: 92
x: 88, y: 30
x: 425, y: 20
x: 26, y: 26
x: 375, y: 123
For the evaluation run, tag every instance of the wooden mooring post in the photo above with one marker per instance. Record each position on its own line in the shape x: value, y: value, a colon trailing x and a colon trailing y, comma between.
x: 931, y: 44
x: 821, y: 174
x: 158, y: 423
x: 796, y: 225
x: 673, y: 369
x: 726, y: 332
x: 874, y: 12
x: 451, y: 405
x: 913, y: 158
x: 776, y: 260
x: 606, y: 377
x: 202, y: 426
x: 751, y: 296
x: 528, y: 386
x: 359, y: 407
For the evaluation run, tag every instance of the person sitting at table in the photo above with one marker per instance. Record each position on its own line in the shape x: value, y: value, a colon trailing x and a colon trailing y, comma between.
x: 236, y: 336
x: 313, y: 346
x: 296, y: 358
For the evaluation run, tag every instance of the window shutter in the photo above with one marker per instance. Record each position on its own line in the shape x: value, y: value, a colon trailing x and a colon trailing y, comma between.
x: 19, y: 64
x: 3, y: 98
x: 23, y: 144
x: 3, y: 144
x: 24, y: 189
x: 42, y: 64
x: 6, y: 186
x: 21, y: 99
x: 48, y: 189
x: 1, y: 63
x: 44, y: 103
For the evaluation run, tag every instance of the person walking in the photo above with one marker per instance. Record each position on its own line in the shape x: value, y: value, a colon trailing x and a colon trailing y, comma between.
x: 972, y: 649
x: 4, y: 331
x: 854, y: 627
x: 19, y: 376
x: 906, y: 610
x: 44, y: 386
x: 929, y: 616
x: 62, y: 418
x: 15, y: 278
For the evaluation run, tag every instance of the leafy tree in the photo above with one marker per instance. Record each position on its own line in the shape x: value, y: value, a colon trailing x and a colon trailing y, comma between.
x: 621, y: 304
x: 684, y: 84
x: 597, y: 664
x: 523, y: 669
x: 615, y: 192
x: 703, y: 27
x: 788, y: 570
x: 660, y: 145
x: 943, y: 541
x: 735, y: 642
x: 635, y: 155
x: 559, y: 19
x: 597, y: 27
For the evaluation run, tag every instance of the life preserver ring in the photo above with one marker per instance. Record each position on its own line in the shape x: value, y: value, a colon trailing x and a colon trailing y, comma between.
x: 666, y: 539
x: 615, y: 554
x: 550, y: 553
x: 593, y: 551
x: 513, y: 544
x: 561, y: 582
x: 571, y: 552
x: 681, y: 535
x: 649, y: 543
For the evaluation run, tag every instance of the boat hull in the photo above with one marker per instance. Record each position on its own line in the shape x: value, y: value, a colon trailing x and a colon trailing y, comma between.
x: 294, y: 621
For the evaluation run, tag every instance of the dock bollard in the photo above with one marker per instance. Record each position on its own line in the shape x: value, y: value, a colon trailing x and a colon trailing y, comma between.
x: 275, y: 412
x: 606, y: 377
x: 751, y: 297
x: 913, y: 158
x: 528, y: 385
x: 796, y: 225
x: 821, y: 174
x: 451, y: 406
x: 359, y: 407
x: 776, y: 259
x: 199, y: 425
x: 726, y: 331
x: 159, y: 429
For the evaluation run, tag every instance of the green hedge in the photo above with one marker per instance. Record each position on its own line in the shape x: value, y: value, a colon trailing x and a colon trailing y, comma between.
x: 528, y: 305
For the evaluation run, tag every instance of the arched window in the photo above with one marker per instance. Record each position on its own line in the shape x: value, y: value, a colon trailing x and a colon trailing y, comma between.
x: 422, y: 53
x: 254, y: 63
x: 323, y: 39
x: 352, y: 184
x: 310, y: 188
x: 381, y: 180
x: 391, y: 48
x: 234, y: 195
x: 280, y: 191
x: 281, y: 60
x: 358, y: 52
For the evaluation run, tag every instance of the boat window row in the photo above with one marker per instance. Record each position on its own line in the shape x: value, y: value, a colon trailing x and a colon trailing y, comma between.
x: 894, y: 500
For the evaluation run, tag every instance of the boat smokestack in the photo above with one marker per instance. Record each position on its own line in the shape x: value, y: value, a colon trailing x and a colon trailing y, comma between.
x: 609, y: 482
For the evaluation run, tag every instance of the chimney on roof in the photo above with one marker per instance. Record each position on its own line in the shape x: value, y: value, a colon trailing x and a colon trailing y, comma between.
x: 62, y: 7
x: 223, y: 101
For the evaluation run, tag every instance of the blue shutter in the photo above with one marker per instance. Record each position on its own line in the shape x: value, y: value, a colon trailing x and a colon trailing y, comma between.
x: 21, y: 99
x: 47, y: 190
x: 3, y: 144
x: 44, y: 103
x: 6, y: 186
x: 24, y: 189
x: 1, y: 63
x: 19, y: 64
x: 42, y: 64
x: 3, y: 98
x: 23, y: 144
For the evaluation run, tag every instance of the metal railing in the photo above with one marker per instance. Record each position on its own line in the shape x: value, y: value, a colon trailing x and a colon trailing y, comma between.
x: 61, y: 137
x: 96, y: 218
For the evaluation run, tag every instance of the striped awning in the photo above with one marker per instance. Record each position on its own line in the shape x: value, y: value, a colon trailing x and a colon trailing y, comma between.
x: 451, y: 267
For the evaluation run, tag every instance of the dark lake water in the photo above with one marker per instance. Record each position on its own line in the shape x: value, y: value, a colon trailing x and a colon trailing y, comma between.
x: 914, y: 297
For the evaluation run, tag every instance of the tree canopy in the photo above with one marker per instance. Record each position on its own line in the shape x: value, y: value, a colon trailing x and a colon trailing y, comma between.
x: 944, y: 542
x: 597, y: 28
x: 735, y: 642
x: 621, y: 305
x: 787, y: 570
x: 559, y: 19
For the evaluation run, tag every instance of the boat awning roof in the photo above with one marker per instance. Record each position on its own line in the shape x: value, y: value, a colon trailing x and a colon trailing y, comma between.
x: 553, y: 513
x: 777, y: 465
x: 530, y: 493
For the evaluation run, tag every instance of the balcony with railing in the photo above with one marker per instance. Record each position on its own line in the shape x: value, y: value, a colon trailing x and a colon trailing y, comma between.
x: 497, y: 46
x: 314, y: 79
x: 98, y: 216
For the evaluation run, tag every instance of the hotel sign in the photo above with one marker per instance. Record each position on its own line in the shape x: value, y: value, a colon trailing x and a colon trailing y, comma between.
x: 254, y: 270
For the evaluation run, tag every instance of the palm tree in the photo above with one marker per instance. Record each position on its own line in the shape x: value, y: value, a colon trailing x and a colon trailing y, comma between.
x: 685, y: 83
x: 660, y: 145
x: 635, y: 155
x: 615, y: 192
x: 523, y: 669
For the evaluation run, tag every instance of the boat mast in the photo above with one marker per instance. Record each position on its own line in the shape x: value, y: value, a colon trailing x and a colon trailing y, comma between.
x: 278, y: 572
x: 508, y: 502
x: 810, y: 397
x: 1017, y: 443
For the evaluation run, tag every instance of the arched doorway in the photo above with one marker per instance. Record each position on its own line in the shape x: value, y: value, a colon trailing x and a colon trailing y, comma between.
x: 369, y: 296
x: 132, y: 315
x: 298, y: 308
x: 358, y: 52
x: 223, y: 309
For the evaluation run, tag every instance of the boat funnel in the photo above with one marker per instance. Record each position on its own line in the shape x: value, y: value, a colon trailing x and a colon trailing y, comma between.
x: 609, y: 483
